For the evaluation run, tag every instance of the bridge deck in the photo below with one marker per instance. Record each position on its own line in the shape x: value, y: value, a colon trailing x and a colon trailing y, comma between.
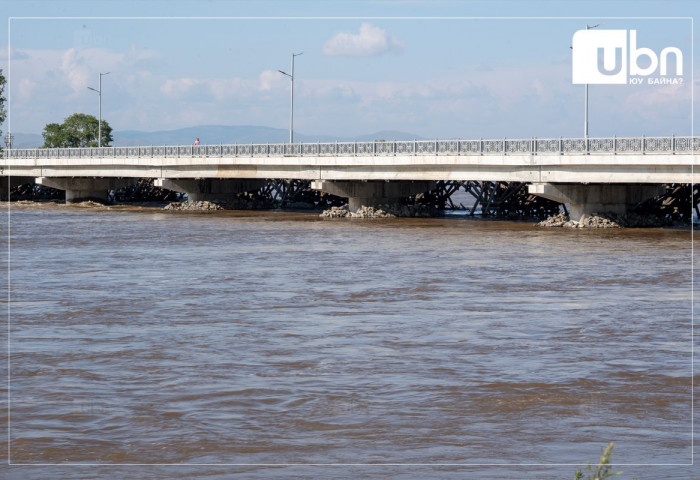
x: 609, y: 160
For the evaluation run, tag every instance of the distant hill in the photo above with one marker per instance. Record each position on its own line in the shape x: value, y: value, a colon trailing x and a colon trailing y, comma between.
x: 208, y: 134
x: 216, y: 134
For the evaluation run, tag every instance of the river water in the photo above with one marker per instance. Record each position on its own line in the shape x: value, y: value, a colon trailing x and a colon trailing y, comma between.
x: 193, y: 345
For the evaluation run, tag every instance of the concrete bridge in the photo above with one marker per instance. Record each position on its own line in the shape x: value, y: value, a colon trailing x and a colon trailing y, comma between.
x: 592, y: 175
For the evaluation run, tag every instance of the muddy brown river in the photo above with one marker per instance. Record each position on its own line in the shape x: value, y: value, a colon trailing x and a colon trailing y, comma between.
x: 152, y: 344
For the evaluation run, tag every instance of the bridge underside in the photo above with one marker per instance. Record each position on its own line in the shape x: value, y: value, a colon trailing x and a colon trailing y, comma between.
x: 82, y: 189
x: 8, y: 183
x: 583, y: 198
x: 372, y: 193
x: 209, y: 189
x: 589, y: 199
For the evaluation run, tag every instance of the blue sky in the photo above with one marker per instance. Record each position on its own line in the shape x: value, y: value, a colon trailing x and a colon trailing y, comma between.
x: 432, y: 74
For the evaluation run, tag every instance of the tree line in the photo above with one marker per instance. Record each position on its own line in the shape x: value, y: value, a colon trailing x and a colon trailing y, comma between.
x: 77, y: 130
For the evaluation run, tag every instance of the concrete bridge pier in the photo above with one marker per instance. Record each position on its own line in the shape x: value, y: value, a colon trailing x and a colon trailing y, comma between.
x: 586, y: 199
x: 7, y: 184
x: 371, y: 193
x: 209, y: 189
x: 82, y: 189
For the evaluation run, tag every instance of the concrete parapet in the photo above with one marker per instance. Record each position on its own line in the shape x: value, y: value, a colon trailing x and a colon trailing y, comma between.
x: 209, y: 189
x: 586, y: 199
x: 81, y: 189
x: 372, y: 193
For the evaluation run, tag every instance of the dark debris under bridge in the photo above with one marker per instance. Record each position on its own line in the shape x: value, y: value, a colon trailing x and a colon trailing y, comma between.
x: 509, y: 200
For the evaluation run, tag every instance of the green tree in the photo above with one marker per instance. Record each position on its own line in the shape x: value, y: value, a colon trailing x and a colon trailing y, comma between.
x: 77, y: 130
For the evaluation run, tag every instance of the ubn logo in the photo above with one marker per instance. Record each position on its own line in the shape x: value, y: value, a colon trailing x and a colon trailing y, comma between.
x: 600, y: 56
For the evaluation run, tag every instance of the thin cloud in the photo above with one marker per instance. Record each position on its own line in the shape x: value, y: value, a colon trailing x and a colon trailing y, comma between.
x: 76, y: 69
x: 207, y: 89
x: 269, y: 80
x: 371, y: 40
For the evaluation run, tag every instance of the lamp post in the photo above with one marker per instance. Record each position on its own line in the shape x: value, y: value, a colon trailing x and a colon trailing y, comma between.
x: 291, y: 114
x: 8, y: 141
x: 99, y: 124
x: 585, y: 111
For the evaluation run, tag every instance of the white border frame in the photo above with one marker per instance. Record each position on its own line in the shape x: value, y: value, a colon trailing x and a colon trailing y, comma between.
x: 498, y: 464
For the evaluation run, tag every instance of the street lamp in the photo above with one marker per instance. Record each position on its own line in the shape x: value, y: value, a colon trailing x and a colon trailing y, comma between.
x: 8, y: 141
x: 99, y: 125
x: 291, y: 115
x: 585, y: 122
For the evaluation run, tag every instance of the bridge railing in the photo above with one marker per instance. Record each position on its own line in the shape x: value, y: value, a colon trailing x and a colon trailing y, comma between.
x: 532, y: 146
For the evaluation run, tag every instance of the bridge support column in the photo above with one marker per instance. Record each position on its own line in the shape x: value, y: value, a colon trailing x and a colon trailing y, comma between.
x: 10, y: 182
x: 209, y: 189
x: 586, y: 199
x: 371, y: 193
x: 81, y: 189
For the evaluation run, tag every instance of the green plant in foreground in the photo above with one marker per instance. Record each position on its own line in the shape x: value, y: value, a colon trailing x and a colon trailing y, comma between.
x: 602, y: 471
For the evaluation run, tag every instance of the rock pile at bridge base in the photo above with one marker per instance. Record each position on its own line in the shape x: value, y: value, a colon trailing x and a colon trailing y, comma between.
x: 606, y: 220
x: 241, y: 203
x: 381, y: 211
x: 193, y: 206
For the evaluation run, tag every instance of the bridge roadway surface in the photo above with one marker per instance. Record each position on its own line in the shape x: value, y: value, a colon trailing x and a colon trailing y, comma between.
x: 560, y: 169
x: 610, y: 160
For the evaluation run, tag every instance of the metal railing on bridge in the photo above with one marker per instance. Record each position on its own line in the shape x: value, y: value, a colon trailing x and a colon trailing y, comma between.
x: 533, y: 146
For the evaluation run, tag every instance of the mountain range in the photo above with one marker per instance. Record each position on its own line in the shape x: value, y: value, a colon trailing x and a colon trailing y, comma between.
x: 218, y: 134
